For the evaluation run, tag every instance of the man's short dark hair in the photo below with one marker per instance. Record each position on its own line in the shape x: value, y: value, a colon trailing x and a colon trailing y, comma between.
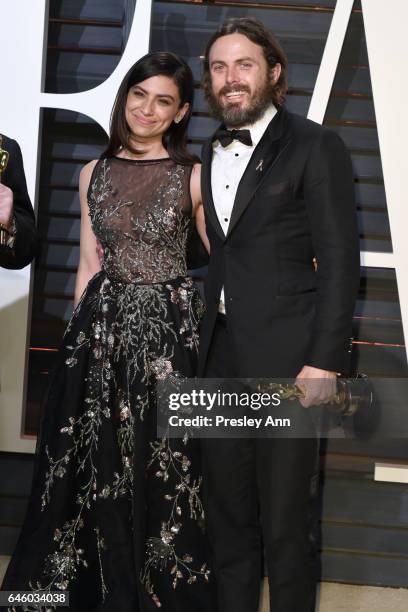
x: 255, y: 31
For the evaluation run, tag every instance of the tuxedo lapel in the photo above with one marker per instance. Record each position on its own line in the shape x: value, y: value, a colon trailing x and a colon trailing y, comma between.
x: 272, y: 144
x: 207, y: 189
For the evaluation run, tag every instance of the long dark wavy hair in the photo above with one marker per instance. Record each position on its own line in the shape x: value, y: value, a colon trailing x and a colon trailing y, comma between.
x: 260, y: 35
x: 159, y: 63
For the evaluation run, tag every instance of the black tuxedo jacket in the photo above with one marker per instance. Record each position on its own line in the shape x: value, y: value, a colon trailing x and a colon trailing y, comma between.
x: 295, y: 201
x: 26, y: 242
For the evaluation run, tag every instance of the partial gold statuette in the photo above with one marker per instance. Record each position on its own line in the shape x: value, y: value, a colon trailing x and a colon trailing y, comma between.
x: 4, y: 157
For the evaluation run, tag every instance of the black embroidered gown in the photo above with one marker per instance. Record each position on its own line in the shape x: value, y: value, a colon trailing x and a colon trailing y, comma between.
x: 115, y: 515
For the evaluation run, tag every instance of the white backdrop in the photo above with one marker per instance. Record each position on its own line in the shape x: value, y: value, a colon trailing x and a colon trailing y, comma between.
x: 23, y: 24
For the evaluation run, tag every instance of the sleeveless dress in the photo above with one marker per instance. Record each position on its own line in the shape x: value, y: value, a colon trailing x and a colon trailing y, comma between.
x: 115, y: 515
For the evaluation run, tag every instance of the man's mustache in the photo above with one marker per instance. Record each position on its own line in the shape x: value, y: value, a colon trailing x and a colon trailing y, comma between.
x: 231, y: 89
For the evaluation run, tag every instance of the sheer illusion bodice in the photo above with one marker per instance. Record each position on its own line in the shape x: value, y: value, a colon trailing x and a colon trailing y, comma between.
x: 144, y: 238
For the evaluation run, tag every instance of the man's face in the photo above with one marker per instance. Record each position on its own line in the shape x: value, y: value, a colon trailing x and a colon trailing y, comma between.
x: 241, y: 81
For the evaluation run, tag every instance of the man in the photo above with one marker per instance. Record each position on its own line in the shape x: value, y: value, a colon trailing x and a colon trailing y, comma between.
x: 18, y: 236
x: 278, y: 197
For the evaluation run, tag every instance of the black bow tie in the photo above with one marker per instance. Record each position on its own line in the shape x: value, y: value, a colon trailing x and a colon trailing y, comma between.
x: 227, y: 136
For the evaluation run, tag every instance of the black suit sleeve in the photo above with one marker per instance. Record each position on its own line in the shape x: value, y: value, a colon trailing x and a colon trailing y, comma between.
x: 26, y: 243
x: 329, y: 197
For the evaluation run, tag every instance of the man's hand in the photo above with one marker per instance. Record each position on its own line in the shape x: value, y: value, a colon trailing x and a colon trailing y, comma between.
x: 318, y: 385
x: 6, y: 205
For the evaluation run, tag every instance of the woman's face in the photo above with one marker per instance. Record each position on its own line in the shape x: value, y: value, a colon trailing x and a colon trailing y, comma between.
x: 152, y: 105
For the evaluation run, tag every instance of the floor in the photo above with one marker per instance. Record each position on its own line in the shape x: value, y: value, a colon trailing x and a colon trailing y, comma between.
x: 336, y: 597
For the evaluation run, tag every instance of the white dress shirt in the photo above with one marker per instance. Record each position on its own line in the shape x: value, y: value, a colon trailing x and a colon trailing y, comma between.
x: 228, y: 166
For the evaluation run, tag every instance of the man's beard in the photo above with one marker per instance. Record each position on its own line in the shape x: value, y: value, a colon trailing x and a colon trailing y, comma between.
x: 232, y: 115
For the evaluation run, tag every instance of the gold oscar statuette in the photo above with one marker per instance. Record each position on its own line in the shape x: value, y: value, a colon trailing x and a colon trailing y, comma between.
x: 353, y: 394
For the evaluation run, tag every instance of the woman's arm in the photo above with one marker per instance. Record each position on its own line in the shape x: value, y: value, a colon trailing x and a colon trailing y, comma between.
x: 89, y: 263
x: 198, y: 208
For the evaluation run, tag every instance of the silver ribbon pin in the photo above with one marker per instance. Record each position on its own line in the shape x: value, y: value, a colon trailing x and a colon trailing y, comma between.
x: 259, y: 166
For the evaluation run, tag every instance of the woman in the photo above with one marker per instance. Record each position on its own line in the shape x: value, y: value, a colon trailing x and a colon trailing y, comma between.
x: 115, y: 515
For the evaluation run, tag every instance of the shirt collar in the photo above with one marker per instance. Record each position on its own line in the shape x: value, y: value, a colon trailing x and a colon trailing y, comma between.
x: 258, y: 128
